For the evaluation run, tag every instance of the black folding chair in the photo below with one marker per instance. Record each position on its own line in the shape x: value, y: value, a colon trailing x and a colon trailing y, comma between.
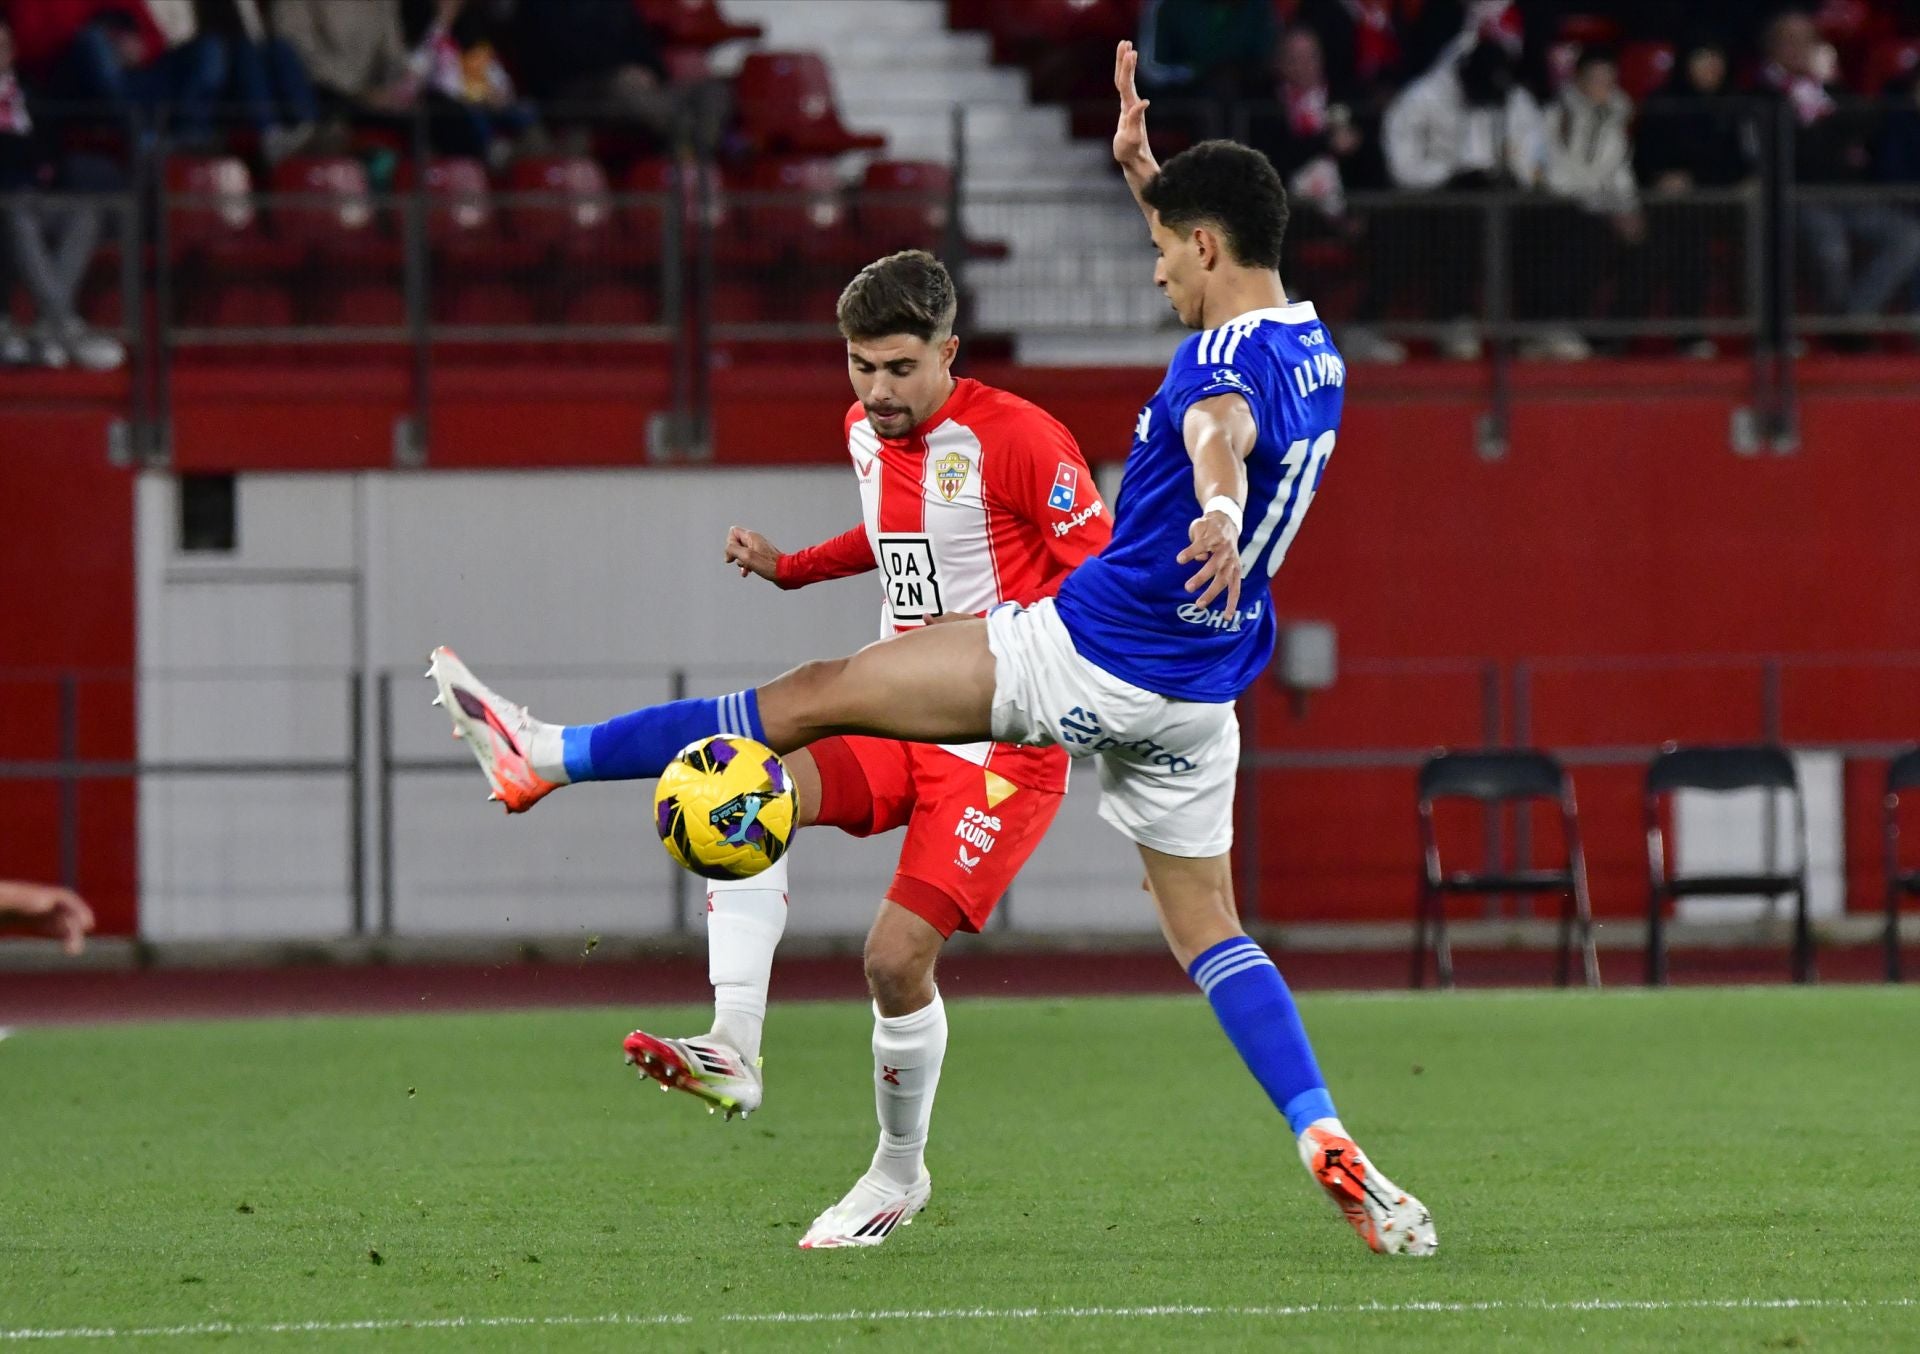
x: 1494, y: 779
x: 1722, y: 770
x: 1904, y: 774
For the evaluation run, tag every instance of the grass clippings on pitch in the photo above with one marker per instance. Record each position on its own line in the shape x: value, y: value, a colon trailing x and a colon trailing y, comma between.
x: 1614, y: 1172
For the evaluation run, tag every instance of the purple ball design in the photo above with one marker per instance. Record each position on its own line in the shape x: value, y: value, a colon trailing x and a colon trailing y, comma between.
x: 722, y: 751
x: 663, y: 815
x: 776, y: 774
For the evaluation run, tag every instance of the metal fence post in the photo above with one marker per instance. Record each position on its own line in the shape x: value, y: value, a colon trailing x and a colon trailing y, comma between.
x: 357, y: 799
x: 412, y: 440
x: 1494, y: 430
x: 383, y: 734
x: 954, y: 246
x: 159, y: 449
x: 1493, y: 842
x: 69, y: 780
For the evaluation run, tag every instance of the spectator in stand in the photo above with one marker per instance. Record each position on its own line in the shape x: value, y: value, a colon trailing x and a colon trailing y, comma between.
x: 595, y: 55
x: 46, y: 910
x: 1206, y: 53
x: 1311, y: 142
x: 48, y: 246
x: 1598, y: 230
x: 1833, y: 146
x: 1364, y: 46
x: 1694, y: 136
x: 1466, y: 125
x: 265, y: 75
x: 470, y: 96
x: 117, y: 52
x: 354, y: 53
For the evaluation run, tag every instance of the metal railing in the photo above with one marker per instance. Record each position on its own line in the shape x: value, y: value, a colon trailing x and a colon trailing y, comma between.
x: 669, y: 255
x: 1488, y: 703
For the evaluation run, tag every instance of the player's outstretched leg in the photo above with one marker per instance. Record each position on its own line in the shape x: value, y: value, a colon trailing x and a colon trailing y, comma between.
x: 930, y: 686
x: 1251, y: 1000
x: 525, y: 759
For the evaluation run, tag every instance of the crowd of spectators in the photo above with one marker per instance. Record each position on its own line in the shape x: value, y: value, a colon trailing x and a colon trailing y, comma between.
x: 1435, y: 99
x: 1608, y: 117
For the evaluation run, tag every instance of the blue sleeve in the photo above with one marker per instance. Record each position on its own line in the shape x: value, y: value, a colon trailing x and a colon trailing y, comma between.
x: 1190, y: 380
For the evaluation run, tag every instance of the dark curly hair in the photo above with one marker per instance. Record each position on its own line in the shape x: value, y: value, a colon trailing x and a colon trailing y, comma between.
x: 1230, y: 187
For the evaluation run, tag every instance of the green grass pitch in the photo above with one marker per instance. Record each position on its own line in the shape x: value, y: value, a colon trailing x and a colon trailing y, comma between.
x: 1607, y: 1172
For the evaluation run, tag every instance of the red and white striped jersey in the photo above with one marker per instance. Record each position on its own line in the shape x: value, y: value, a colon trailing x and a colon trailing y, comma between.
x: 987, y: 501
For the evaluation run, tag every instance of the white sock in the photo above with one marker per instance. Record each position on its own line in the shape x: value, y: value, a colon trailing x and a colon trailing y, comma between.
x: 745, y: 918
x: 547, y: 754
x: 1305, y: 1143
x: 907, y: 1052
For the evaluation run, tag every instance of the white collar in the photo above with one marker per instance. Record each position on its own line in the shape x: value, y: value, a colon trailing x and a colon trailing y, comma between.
x: 1300, y: 312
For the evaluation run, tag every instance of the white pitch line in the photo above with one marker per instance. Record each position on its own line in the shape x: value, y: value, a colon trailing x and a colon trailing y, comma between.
x: 955, y: 1314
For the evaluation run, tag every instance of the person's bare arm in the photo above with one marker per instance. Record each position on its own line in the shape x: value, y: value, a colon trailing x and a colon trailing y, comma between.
x: 1130, y: 146
x: 46, y: 910
x: 1220, y: 432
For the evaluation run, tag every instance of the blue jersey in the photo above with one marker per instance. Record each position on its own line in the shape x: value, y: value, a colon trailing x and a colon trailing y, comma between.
x: 1127, y: 608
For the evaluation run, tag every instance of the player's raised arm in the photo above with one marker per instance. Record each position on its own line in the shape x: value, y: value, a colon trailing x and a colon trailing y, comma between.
x: 1130, y: 138
x: 1220, y: 432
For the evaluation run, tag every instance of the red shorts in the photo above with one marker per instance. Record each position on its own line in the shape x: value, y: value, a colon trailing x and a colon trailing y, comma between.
x: 968, y: 830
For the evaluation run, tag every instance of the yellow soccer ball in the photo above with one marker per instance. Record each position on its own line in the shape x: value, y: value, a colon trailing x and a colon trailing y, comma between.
x: 725, y: 807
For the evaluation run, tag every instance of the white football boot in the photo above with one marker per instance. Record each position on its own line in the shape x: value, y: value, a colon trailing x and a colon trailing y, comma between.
x: 497, y: 732
x: 707, y: 1068
x: 1388, y: 1219
x: 873, y: 1208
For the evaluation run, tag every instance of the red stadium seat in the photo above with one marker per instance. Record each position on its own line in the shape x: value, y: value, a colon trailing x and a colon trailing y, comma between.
x: 687, y: 65
x: 797, y: 206
x: 334, y: 211
x: 785, y: 105
x: 643, y: 235
x: 1589, y: 30
x: 460, y: 213
x: 1047, y: 21
x: 693, y: 23
x: 1645, y: 67
x: 905, y: 204
x: 362, y: 305
x: 221, y: 209
x: 1887, y: 62
x: 573, y: 212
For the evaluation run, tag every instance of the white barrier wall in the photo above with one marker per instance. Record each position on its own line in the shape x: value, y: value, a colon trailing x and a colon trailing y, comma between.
x: 578, y: 592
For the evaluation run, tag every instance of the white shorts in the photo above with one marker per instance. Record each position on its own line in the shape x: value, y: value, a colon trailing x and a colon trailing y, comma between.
x: 1167, y: 767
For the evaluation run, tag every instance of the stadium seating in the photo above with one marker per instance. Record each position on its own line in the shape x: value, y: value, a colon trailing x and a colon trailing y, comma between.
x: 785, y: 105
x: 1887, y: 62
x: 693, y: 23
x: 1495, y: 779
x: 562, y: 205
x: 326, y: 204
x: 210, y: 203
x: 905, y: 204
x: 460, y: 218
x: 1722, y: 770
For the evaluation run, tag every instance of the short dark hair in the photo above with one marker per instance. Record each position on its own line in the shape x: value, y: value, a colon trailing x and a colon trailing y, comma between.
x: 906, y: 293
x: 1228, y: 186
x: 1596, y: 54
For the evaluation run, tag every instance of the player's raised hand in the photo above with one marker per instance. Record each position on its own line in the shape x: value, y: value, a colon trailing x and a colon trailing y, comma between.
x: 1215, y: 541
x: 1130, y: 139
x: 47, y: 910
x: 752, y: 553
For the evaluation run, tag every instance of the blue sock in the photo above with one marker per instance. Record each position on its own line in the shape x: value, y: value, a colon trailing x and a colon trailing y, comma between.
x: 1257, y: 1012
x: 639, y: 745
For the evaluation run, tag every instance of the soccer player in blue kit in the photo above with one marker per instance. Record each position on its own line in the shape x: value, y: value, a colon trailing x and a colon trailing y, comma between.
x: 1137, y: 662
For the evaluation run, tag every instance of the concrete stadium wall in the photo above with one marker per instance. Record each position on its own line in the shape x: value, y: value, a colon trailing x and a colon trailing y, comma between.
x: 579, y: 590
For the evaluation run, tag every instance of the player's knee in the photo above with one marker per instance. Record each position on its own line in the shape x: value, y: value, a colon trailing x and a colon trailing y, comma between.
x: 899, y: 976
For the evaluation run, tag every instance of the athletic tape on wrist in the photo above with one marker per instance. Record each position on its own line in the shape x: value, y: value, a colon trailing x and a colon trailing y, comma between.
x: 1225, y: 506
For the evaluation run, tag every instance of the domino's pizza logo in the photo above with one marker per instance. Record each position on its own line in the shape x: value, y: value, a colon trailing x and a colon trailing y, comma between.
x: 1065, y: 480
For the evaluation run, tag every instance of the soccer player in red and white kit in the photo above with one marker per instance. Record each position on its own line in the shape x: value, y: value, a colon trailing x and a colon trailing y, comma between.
x: 971, y: 497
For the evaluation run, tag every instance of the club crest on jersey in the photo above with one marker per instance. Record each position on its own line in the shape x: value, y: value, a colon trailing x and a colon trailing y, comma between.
x: 1065, y: 480
x: 951, y: 472
x: 1227, y: 376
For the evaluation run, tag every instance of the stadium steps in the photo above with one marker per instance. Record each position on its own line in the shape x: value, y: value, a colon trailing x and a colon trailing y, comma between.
x: 1077, y: 249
